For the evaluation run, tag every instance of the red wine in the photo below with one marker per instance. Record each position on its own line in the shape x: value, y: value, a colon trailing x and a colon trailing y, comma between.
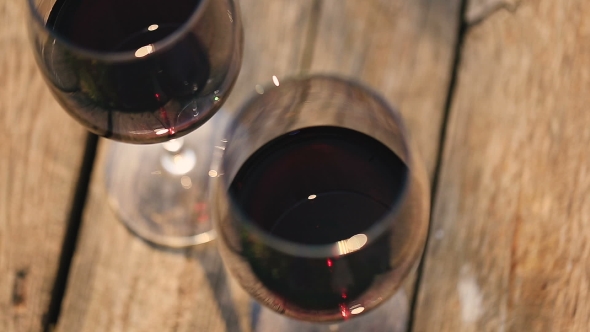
x: 118, y: 25
x: 314, y: 186
x: 151, y: 92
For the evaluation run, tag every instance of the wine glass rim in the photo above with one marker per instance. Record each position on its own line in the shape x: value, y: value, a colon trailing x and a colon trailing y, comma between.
x: 342, y: 247
x: 122, y: 55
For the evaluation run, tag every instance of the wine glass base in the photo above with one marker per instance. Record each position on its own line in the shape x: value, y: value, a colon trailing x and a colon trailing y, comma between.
x: 161, y: 196
x: 391, y: 316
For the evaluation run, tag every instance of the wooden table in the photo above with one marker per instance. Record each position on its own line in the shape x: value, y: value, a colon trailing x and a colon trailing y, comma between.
x: 495, y: 93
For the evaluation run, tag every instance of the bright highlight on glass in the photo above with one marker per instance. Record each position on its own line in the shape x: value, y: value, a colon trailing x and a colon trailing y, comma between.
x: 357, y: 310
x: 161, y: 131
x: 355, y: 243
x: 143, y: 51
x: 186, y: 182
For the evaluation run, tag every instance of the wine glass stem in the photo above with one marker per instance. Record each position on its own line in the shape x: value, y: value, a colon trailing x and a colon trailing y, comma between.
x: 177, y: 158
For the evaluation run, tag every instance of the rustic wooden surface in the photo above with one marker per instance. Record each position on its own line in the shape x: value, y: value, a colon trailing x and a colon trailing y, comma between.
x: 41, y: 152
x: 510, y: 237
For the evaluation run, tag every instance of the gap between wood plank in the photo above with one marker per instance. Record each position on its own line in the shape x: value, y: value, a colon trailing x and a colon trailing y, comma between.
x: 463, y: 27
x: 71, y: 235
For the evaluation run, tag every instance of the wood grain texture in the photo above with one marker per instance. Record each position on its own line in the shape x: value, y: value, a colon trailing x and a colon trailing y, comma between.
x: 120, y: 283
x: 509, y: 249
x: 41, y: 153
x: 404, y: 49
x: 275, y: 41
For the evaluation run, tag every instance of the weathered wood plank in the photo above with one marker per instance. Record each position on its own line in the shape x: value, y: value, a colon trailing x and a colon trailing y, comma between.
x: 509, y: 248
x: 41, y: 152
x: 404, y: 49
x: 120, y: 283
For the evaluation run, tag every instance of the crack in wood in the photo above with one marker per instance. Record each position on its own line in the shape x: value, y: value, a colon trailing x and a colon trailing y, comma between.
x: 479, y: 10
x: 19, y: 290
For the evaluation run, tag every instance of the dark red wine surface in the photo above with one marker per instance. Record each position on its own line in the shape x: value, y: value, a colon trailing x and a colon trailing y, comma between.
x: 320, y: 185
x: 118, y: 25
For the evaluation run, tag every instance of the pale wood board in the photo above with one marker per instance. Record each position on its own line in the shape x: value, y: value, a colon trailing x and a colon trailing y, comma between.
x: 120, y: 283
x: 404, y: 49
x: 509, y: 247
x: 41, y: 153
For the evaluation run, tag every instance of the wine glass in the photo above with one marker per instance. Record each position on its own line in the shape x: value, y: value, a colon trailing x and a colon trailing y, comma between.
x: 320, y: 202
x: 145, y: 71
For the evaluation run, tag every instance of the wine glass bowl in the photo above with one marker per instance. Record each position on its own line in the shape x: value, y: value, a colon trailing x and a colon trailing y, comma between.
x: 138, y: 71
x: 320, y: 201
x: 146, y: 71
